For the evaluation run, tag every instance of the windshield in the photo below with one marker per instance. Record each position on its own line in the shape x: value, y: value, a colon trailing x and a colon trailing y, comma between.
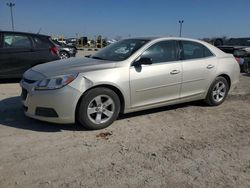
x: 239, y: 42
x: 121, y: 50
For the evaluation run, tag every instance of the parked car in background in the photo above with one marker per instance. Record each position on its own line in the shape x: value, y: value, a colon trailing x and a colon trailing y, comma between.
x: 127, y: 76
x: 240, y: 48
x: 71, y: 41
x: 20, y: 51
x: 65, y: 51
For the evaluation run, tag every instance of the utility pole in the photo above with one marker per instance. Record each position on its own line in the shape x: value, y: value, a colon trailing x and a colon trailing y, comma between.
x: 181, y: 22
x: 11, y: 5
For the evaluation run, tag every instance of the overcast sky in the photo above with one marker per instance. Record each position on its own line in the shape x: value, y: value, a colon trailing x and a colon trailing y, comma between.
x: 111, y: 18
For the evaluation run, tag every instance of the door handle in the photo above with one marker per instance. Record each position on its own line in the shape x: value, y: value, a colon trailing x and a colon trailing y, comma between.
x: 210, y: 66
x: 175, y: 72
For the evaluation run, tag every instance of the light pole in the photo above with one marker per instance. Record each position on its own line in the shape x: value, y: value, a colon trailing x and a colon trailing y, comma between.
x: 11, y: 5
x: 181, y: 22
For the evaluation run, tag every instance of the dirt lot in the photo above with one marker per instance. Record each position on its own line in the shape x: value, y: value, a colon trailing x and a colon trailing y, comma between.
x: 187, y: 145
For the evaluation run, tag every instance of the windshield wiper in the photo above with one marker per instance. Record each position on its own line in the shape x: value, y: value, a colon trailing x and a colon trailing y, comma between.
x: 95, y: 57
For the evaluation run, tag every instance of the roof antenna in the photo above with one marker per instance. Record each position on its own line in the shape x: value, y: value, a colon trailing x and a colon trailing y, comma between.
x: 39, y: 30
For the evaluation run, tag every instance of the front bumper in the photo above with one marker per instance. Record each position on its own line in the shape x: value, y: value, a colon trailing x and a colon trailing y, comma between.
x: 72, y: 53
x: 56, y: 106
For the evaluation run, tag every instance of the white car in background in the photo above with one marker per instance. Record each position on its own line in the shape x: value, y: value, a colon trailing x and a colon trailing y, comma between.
x: 127, y: 76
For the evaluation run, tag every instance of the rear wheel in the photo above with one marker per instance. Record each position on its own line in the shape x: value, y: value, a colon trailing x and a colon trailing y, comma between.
x: 217, y: 92
x: 98, y: 109
x: 64, y: 55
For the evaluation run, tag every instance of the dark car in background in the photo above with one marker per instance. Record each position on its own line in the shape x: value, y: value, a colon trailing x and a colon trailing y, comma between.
x: 20, y: 51
x: 65, y: 50
x: 240, y: 48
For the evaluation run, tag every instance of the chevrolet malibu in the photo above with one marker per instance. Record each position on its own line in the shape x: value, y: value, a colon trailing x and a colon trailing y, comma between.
x: 128, y: 76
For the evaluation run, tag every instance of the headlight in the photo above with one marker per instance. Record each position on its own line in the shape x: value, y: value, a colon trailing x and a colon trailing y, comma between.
x: 56, y: 82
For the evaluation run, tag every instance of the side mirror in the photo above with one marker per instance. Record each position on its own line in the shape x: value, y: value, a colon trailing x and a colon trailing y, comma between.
x: 142, y: 61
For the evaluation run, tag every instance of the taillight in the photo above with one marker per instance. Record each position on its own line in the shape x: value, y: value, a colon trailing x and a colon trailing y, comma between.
x: 240, y: 60
x: 237, y: 59
x: 54, y: 50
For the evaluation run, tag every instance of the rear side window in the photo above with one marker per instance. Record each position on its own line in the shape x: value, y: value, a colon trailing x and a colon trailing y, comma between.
x: 16, y: 41
x: 41, y: 42
x: 164, y: 51
x: 194, y: 50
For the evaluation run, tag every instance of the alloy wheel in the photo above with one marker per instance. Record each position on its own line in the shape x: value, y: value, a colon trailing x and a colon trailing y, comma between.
x: 64, y: 55
x: 219, y: 91
x: 101, y: 109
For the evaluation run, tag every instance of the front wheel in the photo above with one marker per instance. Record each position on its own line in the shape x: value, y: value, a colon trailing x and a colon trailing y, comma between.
x: 246, y: 67
x: 217, y: 92
x: 98, y: 109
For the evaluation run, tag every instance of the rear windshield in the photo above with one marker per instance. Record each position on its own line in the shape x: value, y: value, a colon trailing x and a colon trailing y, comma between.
x: 42, y: 42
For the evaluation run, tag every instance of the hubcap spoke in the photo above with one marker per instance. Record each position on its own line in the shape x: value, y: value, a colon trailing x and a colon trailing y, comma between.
x: 216, y: 86
x: 91, y: 110
x: 98, y: 100
x: 222, y: 87
x: 108, y: 113
x: 98, y: 118
x: 222, y: 94
x: 108, y: 102
x: 214, y: 93
x: 217, y: 97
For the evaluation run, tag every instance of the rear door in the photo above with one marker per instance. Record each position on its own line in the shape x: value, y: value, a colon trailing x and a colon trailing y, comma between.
x: 198, y: 64
x: 16, y: 54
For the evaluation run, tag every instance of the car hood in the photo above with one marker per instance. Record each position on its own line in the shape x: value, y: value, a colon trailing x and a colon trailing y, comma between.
x: 67, y: 66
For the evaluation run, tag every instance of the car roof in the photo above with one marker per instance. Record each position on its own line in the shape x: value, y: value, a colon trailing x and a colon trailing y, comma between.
x: 165, y: 38
x: 25, y: 33
x: 211, y: 47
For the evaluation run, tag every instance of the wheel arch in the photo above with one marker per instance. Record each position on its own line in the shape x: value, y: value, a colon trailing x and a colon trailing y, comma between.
x: 224, y: 75
x: 63, y: 50
x: 111, y: 87
x: 227, y: 78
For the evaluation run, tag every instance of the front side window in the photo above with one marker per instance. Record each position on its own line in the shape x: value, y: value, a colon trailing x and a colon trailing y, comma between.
x: 164, y: 51
x: 16, y: 41
x: 194, y: 50
x: 121, y: 50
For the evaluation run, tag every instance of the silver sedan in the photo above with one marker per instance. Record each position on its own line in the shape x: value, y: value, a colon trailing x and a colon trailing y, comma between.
x: 127, y: 76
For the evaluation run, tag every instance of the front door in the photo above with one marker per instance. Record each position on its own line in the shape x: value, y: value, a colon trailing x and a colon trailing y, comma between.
x: 160, y: 81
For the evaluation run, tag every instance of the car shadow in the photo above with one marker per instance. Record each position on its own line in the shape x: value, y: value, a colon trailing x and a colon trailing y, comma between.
x: 246, y: 74
x: 11, y: 115
x: 161, y: 109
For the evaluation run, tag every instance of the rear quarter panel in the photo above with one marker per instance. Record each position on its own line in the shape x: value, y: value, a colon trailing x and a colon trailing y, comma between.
x: 229, y: 66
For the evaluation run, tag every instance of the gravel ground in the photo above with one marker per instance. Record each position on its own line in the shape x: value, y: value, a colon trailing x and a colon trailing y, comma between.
x: 188, y: 145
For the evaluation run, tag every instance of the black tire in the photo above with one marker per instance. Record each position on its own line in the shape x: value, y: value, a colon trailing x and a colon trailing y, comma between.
x: 245, y: 67
x: 210, y: 98
x: 64, y: 55
x: 86, y: 119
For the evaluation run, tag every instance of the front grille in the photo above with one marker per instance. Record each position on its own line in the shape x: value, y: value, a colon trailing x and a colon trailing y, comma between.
x: 24, y: 94
x: 46, y: 112
x: 29, y: 81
